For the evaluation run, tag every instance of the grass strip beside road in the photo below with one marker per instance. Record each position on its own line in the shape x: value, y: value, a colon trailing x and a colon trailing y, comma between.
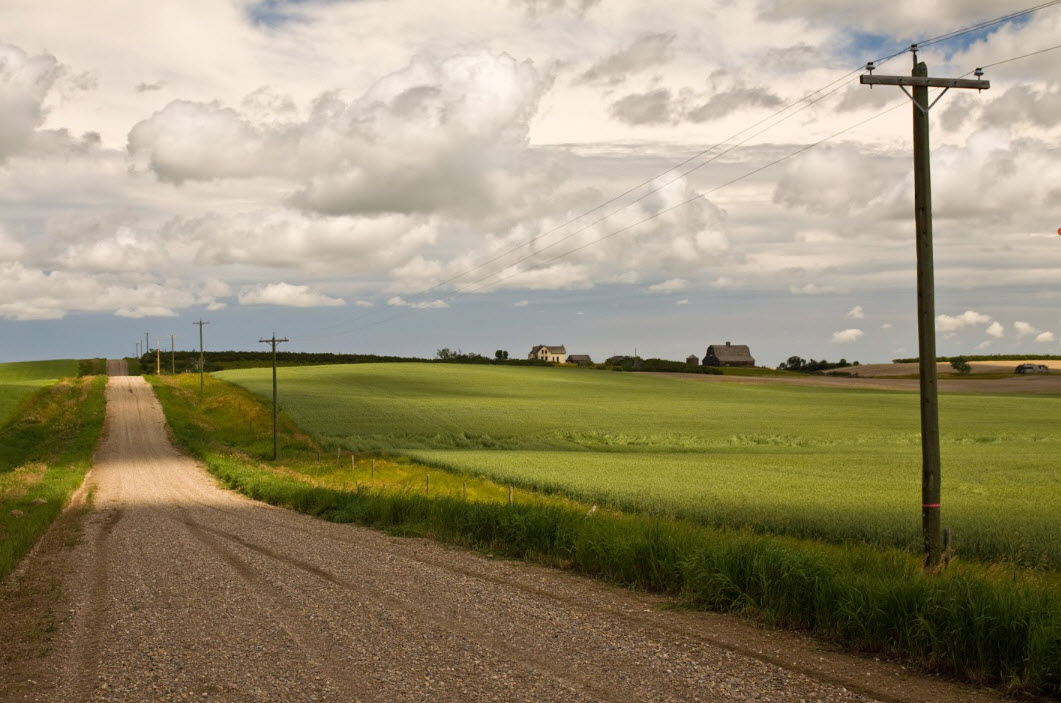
x: 999, y: 626
x: 45, y: 450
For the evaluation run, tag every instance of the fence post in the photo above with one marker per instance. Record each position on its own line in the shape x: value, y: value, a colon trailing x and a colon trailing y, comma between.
x: 510, y: 495
x: 464, y: 491
x: 372, y: 472
x: 353, y: 462
x: 338, y: 455
x: 427, y: 483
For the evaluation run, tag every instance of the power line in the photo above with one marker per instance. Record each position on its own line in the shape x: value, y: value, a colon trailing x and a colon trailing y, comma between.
x: 653, y: 216
x: 923, y: 43
x: 987, y: 23
x: 649, y: 181
x: 617, y: 210
x: 474, y: 286
x: 699, y: 196
x: 1024, y: 56
x: 614, y: 212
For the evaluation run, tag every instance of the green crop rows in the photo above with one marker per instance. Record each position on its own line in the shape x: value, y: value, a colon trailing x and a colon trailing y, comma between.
x: 832, y: 464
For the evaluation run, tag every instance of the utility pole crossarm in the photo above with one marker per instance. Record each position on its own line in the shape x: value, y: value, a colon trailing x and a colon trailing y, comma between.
x: 925, y: 82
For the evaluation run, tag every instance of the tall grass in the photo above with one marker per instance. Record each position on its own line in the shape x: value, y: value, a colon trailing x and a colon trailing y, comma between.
x: 45, y: 450
x: 19, y: 379
x: 1000, y: 626
x: 832, y: 464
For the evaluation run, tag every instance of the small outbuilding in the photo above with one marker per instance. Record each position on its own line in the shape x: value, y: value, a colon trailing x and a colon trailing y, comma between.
x: 580, y: 359
x: 692, y: 360
x: 728, y: 355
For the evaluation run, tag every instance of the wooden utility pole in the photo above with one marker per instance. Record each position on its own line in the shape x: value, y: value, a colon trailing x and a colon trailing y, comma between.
x: 201, y: 363
x: 172, y: 355
x: 920, y: 82
x: 274, y: 341
x: 147, y: 343
x: 158, y: 357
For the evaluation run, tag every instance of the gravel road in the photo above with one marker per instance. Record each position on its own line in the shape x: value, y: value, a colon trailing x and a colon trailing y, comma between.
x: 178, y: 590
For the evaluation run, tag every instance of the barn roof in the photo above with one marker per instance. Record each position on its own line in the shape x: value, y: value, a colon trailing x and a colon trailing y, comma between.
x: 730, y: 352
x: 579, y: 357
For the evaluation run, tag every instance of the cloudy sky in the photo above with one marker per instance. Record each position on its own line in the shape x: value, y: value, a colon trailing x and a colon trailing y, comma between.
x: 395, y: 176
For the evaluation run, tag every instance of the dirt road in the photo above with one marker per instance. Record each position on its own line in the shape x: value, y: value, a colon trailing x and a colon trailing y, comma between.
x: 178, y: 590
x: 117, y: 367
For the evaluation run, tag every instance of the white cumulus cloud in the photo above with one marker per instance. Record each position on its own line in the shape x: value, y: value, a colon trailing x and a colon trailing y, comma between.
x: 810, y: 289
x: 287, y: 295
x: 953, y: 323
x: 995, y: 329
x: 437, y: 135
x: 1045, y: 337
x: 669, y: 286
x: 846, y: 336
x: 25, y: 81
x: 1024, y: 329
x: 400, y: 302
x: 855, y: 313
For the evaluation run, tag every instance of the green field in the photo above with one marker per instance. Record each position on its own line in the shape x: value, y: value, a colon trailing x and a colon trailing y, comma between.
x: 20, y: 378
x: 831, y: 464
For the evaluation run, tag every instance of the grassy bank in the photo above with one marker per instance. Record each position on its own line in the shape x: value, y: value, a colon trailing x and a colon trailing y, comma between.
x: 18, y: 379
x: 45, y: 449
x: 990, y: 625
x: 831, y: 464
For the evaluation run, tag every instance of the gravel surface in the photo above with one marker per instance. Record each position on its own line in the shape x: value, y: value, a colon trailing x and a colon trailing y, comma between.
x: 178, y: 590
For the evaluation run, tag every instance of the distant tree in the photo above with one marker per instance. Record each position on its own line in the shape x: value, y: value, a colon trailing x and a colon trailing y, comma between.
x: 961, y: 365
x: 794, y: 363
x: 801, y: 365
x: 445, y: 354
x: 501, y: 355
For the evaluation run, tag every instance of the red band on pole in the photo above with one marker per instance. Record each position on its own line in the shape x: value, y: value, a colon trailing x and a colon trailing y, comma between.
x: 930, y: 505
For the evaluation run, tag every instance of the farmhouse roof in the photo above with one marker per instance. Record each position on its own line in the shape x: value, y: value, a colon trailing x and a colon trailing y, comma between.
x: 731, y: 353
x: 579, y: 357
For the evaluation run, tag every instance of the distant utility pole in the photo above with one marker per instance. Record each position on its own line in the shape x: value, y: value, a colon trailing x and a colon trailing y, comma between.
x: 147, y: 343
x: 158, y: 357
x: 920, y: 82
x: 274, y: 341
x: 172, y: 355
x: 201, y: 365
x: 138, y: 349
